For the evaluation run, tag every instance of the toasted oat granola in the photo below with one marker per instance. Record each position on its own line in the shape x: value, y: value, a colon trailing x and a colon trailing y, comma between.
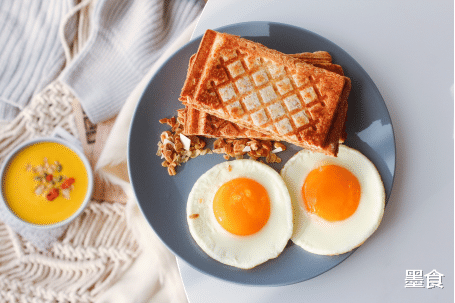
x: 176, y: 148
x: 254, y: 148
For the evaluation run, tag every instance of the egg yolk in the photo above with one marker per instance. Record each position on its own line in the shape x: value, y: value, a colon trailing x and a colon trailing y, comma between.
x: 331, y: 192
x: 242, y: 206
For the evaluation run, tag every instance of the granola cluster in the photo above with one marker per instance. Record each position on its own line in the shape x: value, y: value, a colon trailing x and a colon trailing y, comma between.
x: 254, y: 148
x: 175, y: 148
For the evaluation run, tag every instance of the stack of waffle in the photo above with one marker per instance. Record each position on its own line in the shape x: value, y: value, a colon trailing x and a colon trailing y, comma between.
x: 236, y: 88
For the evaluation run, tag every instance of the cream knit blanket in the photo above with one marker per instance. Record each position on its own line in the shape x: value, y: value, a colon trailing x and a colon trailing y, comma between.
x: 109, y: 253
x: 97, y: 247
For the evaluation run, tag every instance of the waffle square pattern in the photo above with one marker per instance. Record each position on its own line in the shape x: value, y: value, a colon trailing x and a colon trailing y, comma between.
x: 259, y: 88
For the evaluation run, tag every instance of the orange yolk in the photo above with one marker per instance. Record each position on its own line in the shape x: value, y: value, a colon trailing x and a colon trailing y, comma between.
x: 331, y: 192
x: 242, y: 206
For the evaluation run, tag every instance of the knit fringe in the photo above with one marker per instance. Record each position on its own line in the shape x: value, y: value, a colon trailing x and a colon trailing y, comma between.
x: 96, y: 249
x: 48, y: 110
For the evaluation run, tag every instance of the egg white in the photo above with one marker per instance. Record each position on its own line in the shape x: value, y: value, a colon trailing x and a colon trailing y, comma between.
x: 240, y: 251
x: 323, y: 237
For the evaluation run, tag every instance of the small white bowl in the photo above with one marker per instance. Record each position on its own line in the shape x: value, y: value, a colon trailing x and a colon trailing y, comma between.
x: 88, y: 169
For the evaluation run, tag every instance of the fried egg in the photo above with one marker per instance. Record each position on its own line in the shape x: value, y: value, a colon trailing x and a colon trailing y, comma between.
x: 239, y: 213
x: 338, y: 201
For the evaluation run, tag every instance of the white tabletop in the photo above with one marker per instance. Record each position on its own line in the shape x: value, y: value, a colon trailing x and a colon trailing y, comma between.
x: 407, y: 49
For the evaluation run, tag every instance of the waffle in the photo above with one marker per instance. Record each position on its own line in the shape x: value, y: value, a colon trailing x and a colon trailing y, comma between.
x: 201, y: 123
x: 267, y: 91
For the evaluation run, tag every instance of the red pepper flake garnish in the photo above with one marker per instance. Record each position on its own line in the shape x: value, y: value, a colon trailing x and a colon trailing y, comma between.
x: 52, y: 194
x: 67, y: 183
x: 47, y: 184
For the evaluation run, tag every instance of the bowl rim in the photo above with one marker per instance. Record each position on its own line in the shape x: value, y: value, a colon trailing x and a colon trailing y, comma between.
x: 81, y: 156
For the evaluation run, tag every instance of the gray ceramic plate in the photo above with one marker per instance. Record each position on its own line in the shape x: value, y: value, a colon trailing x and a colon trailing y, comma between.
x: 162, y: 198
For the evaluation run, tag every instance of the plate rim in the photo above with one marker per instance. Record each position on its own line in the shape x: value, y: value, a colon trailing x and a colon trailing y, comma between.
x: 191, y: 43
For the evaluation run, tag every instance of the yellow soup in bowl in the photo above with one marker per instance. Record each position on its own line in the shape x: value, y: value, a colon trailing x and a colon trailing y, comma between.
x: 45, y: 183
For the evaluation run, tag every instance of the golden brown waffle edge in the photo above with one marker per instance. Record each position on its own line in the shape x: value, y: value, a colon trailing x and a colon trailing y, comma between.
x: 269, y: 92
x: 201, y: 123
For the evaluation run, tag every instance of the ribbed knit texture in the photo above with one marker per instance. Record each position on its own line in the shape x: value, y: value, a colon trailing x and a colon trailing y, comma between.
x: 126, y: 38
x: 31, y: 54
